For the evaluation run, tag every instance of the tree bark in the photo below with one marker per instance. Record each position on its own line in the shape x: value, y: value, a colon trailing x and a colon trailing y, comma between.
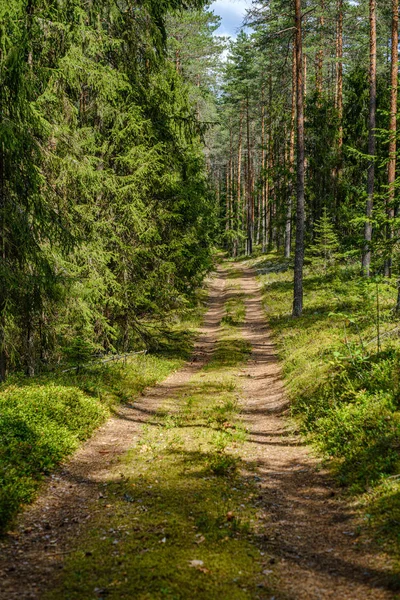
x: 250, y: 203
x: 320, y: 54
x: 30, y: 349
x: 366, y: 259
x: 3, y: 351
x: 288, y: 227
x: 339, y: 73
x: 392, y: 126
x: 337, y: 172
x: 227, y: 187
x: 239, y: 180
x: 299, y: 254
x: 263, y: 156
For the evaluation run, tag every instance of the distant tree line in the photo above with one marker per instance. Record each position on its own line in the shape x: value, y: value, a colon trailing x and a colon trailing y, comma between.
x: 308, y: 127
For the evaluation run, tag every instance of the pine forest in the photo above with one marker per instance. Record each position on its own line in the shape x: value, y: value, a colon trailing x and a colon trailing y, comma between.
x: 199, y: 299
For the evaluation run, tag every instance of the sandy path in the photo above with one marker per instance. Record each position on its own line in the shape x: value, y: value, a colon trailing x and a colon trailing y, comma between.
x: 45, y: 533
x: 310, y: 533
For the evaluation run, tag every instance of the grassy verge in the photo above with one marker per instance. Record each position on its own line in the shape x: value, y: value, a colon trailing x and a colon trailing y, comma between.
x: 44, y: 420
x: 177, y: 520
x: 341, y: 364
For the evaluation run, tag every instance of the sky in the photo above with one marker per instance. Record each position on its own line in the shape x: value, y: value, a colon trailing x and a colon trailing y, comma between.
x: 232, y: 13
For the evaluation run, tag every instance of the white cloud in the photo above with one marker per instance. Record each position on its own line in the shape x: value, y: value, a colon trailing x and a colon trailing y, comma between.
x: 232, y: 13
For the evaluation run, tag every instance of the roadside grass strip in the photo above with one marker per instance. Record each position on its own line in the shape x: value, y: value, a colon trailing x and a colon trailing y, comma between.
x: 341, y: 365
x: 177, y: 519
x: 45, y: 419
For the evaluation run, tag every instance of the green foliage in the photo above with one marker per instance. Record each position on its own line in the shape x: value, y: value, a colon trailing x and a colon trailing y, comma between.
x: 80, y: 351
x: 345, y: 391
x: 326, y: 243
x: 254, y: 145
x: 43, y: 422
x: 39, y: 426
x: 106, y: 216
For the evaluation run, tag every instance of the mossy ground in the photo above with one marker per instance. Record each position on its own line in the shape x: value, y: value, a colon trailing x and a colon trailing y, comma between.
x: 177, y: 520
x: 341, y: 365
x: 43, y: 420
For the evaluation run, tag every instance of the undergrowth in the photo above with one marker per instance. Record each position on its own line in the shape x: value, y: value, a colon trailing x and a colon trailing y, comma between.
x: 341, y: 363
x: 176, y: 520
x: 45, y: 419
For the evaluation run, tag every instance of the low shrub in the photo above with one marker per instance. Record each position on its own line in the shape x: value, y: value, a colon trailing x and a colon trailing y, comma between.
x: 39, y: 426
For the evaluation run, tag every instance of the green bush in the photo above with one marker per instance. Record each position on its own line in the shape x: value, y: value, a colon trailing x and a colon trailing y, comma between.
x: 363, y: 435
x: 39, y: 426
x: 341, y: 362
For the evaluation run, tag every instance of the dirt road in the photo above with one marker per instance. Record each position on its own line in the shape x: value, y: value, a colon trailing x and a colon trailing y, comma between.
x: 303, y: 541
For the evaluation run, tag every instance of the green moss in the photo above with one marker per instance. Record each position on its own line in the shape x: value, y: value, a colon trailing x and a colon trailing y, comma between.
x: 45, y: 419
x: 341, y: 373
x: 183, y: 495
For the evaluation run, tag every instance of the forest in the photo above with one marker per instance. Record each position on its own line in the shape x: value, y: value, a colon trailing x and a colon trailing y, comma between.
x: 158, y: 179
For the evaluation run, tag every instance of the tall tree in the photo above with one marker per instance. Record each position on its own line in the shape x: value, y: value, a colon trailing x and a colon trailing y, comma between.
x: 366, y: 258
x: 300, y: 213
x: 288, y: 229
x: 392, y: 127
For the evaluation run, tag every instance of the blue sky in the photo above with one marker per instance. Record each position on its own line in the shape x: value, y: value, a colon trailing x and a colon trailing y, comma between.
x: 232, y: 13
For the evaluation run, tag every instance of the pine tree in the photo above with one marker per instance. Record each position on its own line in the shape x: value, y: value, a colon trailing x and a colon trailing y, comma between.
x: 326, y: 242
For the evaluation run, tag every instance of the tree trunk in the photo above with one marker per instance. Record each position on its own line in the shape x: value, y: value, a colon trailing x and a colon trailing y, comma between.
x: 304, y: 60
x: 337, y: 173
x: 231, y: 195
x: 266, y: 235
x: 288, y: 228
x: 263, y: 175
x: 30, y: 349
x: 392, y: 127
x: 3, y: 352
x: 259, y: 213
x: 250, y: 203
x: 339, y: 74
x: 299, y: 254
x: 239, y: 181
x: 320, y: 54
x: 227, y: 201
x: 366, y: 259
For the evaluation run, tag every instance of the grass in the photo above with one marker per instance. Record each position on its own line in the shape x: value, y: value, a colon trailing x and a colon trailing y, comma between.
x: 177, y: 520
x: 45, y: 419
x: 341, y: 365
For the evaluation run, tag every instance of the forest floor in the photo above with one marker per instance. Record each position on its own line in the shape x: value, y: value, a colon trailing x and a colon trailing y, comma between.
x: 199, y: 489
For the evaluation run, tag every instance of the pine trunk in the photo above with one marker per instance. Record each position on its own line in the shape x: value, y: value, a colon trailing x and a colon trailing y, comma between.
x: 30, y: 350
x: 239, y: 181
x: 288, y: 228
x: 337, y: 174
x: 299, y: 254
x: 366, y: 259
x: 263, y: 156
x: 250, y: 204
x: 227, y: 198
x: 339, y: 74
x: 392, y: 126
x: 320, y: 55
x: 3, y: 353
